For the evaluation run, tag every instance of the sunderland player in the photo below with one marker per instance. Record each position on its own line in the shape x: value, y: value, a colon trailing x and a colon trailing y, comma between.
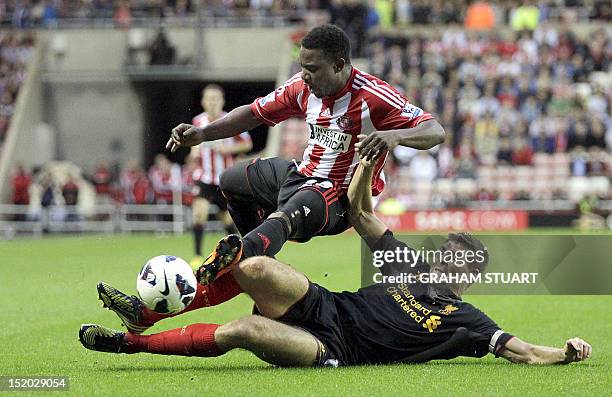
x: 214, y: 158
x: 350, y: 114
x: 300, y: 323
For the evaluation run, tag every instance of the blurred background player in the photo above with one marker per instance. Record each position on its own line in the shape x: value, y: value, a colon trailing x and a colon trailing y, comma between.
x: 214, y: 158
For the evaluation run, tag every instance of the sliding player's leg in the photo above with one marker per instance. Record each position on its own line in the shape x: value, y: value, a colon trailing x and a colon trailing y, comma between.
x: 273, y: 286
x: 137, y: 318
x: 281, y: 285
x: 270, y: 340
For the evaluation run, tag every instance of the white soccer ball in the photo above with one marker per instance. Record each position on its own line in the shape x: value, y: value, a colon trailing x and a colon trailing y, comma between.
x: 166, y: 284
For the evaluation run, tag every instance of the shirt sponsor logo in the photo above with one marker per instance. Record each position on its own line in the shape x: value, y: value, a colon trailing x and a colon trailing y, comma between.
x: 411, y: 111
x: 408, y: 303
x: 331, y: 139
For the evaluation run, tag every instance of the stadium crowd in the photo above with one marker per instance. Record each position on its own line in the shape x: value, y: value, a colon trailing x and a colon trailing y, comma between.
x: 60, y: 183
x: 353, y: 14
x: 505, y: 99
x: 15, y: 53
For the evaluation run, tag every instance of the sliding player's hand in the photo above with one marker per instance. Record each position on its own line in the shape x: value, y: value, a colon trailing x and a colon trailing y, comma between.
x: 375, y: 145
x: 183, y: 135
x: 367, y: 163
x: 576, y: 349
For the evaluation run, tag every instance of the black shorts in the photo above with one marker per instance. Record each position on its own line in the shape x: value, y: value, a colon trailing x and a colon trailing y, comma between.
x: 275, y: 181
x: 212, y: 194
x: 318, y: 314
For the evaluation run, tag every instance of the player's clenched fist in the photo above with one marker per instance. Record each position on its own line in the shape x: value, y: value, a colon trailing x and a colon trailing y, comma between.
x: 577, y: 349
x: 184, y: 135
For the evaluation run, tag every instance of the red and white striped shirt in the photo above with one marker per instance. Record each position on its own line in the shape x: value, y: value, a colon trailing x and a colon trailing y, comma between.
x: 365, y: 105
x: 213, y: 163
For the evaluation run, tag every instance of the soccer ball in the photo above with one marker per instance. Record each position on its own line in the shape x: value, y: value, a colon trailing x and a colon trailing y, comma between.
x: 166, y: 284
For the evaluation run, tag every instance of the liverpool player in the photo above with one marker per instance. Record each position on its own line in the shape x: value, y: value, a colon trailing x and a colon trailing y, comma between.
x: 300, y: 323
x: 214, y: 158
x: 350, y: 114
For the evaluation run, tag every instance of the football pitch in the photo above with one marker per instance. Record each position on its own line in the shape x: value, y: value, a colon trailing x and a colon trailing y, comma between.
x: 48, y: 291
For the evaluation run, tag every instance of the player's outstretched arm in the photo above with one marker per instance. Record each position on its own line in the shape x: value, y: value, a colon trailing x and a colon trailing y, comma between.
x: 361, y: 213
x: 424, y: 136
x: 238, y: 120
x: 522, y: 352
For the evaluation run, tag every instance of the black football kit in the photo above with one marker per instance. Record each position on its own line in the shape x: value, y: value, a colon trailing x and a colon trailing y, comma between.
x: 386, y: 323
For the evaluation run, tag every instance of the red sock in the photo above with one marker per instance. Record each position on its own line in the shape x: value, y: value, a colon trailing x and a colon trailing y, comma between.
x: 222, y: 289
x: 191, y: 340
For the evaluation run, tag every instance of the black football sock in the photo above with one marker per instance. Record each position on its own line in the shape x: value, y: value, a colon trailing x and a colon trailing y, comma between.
x: 198, y: 236
x: 267, y: 239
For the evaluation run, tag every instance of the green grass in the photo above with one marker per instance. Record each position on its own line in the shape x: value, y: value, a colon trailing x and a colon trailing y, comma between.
x: 48, y: 290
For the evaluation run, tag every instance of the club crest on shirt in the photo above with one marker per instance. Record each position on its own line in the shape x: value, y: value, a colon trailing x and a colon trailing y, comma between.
x: 411, y: 111
x: 448, y: 309
x: 344, y: 122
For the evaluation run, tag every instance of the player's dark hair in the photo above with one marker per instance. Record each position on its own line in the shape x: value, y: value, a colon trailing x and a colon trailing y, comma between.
x: 214, y: 86
x: 331, y: 40
x: 471, y: 243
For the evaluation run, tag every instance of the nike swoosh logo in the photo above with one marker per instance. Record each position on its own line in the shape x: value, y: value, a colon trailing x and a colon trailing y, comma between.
x: 167, y: 290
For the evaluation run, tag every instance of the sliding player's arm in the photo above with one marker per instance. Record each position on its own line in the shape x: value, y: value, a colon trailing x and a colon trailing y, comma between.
x: 361, y: 212
x: 522, y: 352
x: 238, y: 120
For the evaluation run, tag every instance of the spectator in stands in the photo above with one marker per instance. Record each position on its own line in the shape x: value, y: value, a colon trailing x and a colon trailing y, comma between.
x: 598, y: 162
x: 504, y: 152
x: 423, y: 167
x: 597, y: 137
x: 486, y: 137
x: 70, y: 193
x: 162, y: 180
x: 161, y: 51
x: 579, y: 161
x: 480, y: 16
x: 351, y: 16
x: 525, y: 16
x: 522, y: 153
x: 20, y: 182
x: 579, y: 136
x: 47, y: 191
x: 102, y: 179
x: 122, y: 15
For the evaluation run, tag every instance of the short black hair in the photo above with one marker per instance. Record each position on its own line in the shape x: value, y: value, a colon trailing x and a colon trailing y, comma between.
x: 331, y: 40
x: 471, y: 243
